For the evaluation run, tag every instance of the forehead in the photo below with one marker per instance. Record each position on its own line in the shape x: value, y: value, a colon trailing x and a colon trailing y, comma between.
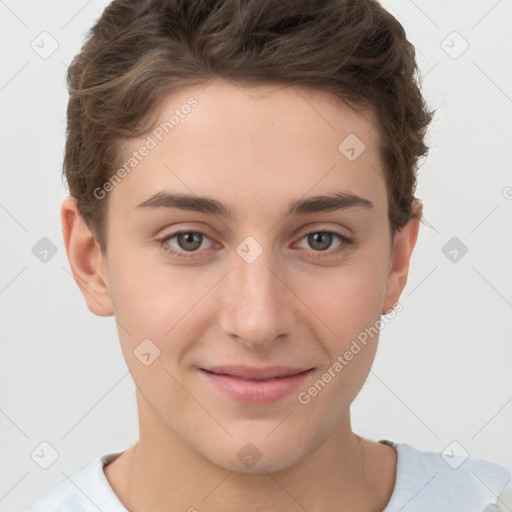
x: 238, y: 143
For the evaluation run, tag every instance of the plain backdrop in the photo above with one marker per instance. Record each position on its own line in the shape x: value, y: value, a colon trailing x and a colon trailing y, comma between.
x: 443, y: 371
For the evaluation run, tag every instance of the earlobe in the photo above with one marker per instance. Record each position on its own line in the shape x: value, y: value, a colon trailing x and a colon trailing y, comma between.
x: 403, y: 246
x: 85, y: 259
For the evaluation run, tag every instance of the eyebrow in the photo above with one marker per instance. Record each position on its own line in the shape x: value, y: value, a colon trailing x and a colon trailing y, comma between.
x: 208, y: 205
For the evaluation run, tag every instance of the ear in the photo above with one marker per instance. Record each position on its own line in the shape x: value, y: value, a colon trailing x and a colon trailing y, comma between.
x: 403, y: 245
x: 85, y: 259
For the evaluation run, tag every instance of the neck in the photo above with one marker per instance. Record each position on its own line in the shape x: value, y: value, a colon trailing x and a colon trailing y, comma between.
x: 162, y: 472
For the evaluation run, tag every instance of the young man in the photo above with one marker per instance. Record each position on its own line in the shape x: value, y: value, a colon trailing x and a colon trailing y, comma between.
x: 242, y: 179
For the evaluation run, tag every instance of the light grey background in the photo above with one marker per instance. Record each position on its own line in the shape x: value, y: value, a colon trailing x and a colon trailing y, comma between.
x: 443, y: 371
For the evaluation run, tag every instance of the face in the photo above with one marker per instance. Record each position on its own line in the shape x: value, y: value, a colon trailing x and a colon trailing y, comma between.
x: 250, y: 281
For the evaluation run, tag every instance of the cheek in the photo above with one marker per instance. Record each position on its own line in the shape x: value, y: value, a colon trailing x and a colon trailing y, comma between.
x: 165, y: 304
x: 155, y: 306
x: 150, y: 295
x: 349, y: 298
x: 349, y: 304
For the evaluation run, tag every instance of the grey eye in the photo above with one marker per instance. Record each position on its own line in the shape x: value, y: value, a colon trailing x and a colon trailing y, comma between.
x: 320, y: 240
x: 189, y: 241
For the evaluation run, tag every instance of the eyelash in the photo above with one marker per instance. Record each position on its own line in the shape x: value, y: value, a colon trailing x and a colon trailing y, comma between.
x: 346, y: 241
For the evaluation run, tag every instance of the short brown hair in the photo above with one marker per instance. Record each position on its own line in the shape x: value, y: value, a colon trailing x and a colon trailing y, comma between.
x: 141, y: 50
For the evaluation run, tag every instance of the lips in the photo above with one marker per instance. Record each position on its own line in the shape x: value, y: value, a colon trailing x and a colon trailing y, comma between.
x: 252, y: 385
x: 255, y: 373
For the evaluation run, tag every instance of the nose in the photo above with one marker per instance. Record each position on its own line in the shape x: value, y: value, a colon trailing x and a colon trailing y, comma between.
x: 256, y: 301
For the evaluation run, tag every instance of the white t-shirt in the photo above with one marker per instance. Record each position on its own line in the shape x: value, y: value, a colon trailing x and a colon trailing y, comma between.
x: 425, y: 482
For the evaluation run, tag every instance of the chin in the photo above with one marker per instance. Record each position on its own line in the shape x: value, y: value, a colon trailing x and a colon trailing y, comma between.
x: 260, y: 456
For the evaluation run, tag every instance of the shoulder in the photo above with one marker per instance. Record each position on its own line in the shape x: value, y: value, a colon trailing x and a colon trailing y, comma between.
x: 426, y: 479
x: 87, y: 490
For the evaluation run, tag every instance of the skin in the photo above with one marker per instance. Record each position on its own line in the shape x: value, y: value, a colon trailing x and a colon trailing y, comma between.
x: 255, y: 149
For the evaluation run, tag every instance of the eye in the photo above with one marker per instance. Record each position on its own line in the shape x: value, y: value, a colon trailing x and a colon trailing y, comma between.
x: 320, y: 241
x: 187, y: 241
